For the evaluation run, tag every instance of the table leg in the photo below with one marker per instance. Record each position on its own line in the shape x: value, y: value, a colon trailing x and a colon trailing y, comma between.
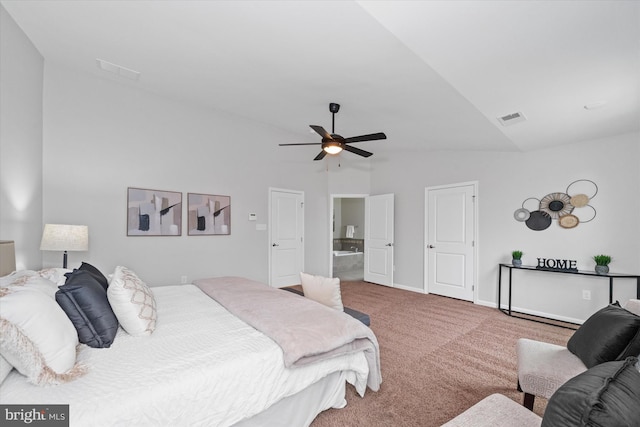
x: 500, y: 285
x: 610, y: 290
x: 510, y: 271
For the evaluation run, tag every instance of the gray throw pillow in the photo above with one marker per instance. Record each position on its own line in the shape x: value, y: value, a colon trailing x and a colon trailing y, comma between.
x: 612, y: 333
x: 607, y: 395
x: 85, y: 302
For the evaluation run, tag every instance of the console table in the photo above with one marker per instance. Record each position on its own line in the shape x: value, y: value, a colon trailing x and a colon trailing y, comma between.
x: 609, y: 276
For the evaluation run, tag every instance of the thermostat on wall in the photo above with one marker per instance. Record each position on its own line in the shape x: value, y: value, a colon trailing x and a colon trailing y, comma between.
x: 253, y: 217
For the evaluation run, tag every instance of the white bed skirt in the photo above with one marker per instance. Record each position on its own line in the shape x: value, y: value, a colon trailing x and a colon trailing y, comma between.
x: 302, y: 408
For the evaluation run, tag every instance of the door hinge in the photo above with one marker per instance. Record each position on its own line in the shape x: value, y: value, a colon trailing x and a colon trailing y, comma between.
x: 473, y: 198
x: 301, y: 204
x: 473, y: 243
x: 473, y: 288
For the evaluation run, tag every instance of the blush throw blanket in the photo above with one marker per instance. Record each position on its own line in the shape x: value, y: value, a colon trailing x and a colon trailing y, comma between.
x: 305, y: 330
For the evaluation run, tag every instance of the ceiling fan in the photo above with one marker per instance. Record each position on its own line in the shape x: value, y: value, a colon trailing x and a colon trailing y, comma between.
x: 333, y: 143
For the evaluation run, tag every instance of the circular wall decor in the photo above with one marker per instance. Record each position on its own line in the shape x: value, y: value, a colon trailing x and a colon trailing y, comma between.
x: 539, y: 220
x: 523, y: 213
x: 568, y: 221
x: 580, y: 200
x: 594, y: 214
x: 556, y: 205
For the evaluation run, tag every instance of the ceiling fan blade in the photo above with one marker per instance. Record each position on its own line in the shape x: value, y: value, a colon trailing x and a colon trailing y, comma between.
x: 302, y: 143
x: 370, y: 137
x: 321, y: 155
x: 357, y: 151
x: 320, y: 131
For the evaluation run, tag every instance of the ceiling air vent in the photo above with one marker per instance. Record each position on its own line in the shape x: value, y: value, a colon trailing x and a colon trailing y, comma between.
x: 117, y: 69
x: 511, y: 119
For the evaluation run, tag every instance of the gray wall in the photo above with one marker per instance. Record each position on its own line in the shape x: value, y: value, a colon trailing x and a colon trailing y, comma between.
x: 103, y: 136
x: 505, y: 180
x: 353, y: 214
x: 21, y: 69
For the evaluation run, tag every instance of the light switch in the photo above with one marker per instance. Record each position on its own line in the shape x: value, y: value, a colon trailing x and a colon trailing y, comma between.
x: 253, y: 217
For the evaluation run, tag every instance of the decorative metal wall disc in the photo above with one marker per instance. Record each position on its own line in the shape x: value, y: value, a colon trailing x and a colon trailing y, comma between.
x: 556, y: 204
x: 523, y: 213
x: 594, y: 214
x: 568, y: 221
x: 580, y: 200
x: 538, y: 221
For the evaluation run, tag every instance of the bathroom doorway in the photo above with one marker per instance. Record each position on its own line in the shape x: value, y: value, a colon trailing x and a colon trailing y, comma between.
x: 347, y: 236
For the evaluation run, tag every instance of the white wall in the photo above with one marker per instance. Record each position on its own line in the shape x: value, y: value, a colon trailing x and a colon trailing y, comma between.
x: 21, y: 70
x: 505, y: 180
x: 102, y: 137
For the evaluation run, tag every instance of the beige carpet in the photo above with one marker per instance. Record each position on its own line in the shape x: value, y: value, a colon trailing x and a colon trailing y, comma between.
x: 439, y: 356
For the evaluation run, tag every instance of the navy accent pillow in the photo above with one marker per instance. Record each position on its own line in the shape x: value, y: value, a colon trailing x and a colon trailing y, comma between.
x: 606, y: 395
x: 85, y: 302
x: 609, y: 334
x: 95, y: 273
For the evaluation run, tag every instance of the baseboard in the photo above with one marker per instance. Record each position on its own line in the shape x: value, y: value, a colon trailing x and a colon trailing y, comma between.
x: 543, y: 314
x: 490, y: 304
x: 409, y: 288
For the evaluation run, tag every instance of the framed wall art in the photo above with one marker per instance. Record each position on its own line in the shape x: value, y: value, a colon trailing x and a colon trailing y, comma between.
x: 209, y: 214
x: 153, y: 212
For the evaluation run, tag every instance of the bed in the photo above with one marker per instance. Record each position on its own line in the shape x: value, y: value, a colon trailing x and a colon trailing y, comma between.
x: 204, y: 366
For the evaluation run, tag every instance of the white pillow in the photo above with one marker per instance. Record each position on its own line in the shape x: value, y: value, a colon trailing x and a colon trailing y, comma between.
x: 10, y: 278
x: 323, y: 290
x: 5, y: 368
x: 37, y: 337
x: 132, y: 302
x: 34, y: 282
x: 55, y: 274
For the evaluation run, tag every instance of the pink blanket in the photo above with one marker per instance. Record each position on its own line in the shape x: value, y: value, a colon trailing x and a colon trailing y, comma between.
x: 305, y: 330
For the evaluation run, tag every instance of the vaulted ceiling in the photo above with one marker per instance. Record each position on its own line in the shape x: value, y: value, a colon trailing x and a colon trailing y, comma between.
x: 433, y: 75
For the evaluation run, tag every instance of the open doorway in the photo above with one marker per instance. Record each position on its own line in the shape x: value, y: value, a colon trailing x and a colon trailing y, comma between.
x: 347, y: 236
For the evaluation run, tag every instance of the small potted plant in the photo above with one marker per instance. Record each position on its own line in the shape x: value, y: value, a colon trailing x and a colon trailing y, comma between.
x: 602, y: 263
x: 516, y: 258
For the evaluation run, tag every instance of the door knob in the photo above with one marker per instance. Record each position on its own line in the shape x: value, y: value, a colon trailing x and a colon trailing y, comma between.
x: 389, y: 244
x: 275, y: 244
x: 431, y: 246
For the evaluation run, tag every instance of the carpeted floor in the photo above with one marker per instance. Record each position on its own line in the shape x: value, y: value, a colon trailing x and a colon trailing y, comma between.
x: 439, y: 356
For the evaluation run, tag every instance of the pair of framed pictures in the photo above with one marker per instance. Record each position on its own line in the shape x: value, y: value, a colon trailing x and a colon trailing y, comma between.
x: 159, y: 213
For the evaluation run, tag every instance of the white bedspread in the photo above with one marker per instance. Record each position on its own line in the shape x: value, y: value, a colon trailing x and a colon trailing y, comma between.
x: 202, y: 366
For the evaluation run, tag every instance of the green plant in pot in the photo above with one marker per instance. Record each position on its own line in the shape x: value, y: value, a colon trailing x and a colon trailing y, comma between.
x: 516, y: 258
x: 602, y: 263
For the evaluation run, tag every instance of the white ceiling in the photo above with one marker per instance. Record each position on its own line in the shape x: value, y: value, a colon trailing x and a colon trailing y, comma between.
x: 433, y: 75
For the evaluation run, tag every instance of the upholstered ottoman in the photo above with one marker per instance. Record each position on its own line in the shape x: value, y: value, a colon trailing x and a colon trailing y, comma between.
x: 496, y: 411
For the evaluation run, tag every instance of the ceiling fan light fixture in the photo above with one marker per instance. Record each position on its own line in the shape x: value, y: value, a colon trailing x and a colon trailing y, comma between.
x: 332, y: 147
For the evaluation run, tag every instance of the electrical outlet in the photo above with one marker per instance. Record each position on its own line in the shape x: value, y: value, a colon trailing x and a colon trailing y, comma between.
x: 586, y: 294
x: 183, y: 279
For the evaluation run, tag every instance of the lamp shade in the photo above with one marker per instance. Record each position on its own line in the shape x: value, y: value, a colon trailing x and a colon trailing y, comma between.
x: 7, y: 257
x: 62, y: 237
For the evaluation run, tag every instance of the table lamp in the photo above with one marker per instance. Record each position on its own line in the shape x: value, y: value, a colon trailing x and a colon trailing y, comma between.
x: 62, y: 237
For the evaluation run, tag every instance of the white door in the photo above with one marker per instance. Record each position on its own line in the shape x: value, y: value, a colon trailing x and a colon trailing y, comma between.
x: 378, y: 239
x: 450, y: 240
x: 286, y: 237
